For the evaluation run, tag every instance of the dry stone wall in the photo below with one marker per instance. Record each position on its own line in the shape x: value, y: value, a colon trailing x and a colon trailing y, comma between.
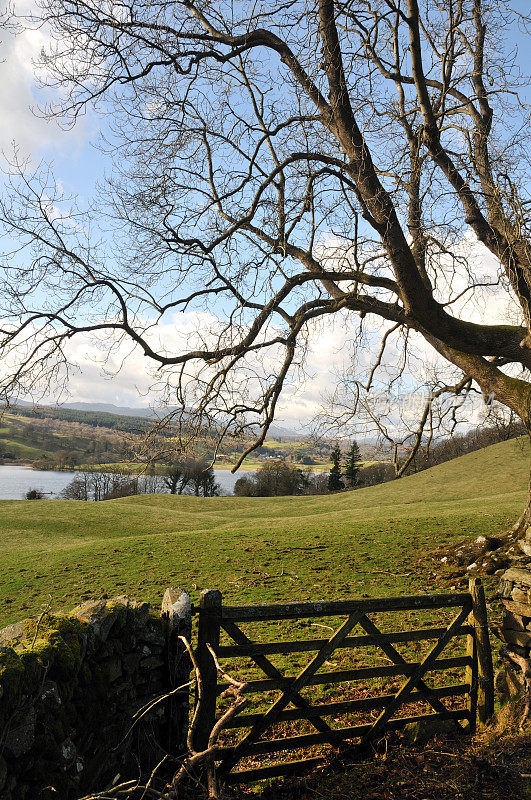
x: 515, y: 592
x: 515, y: 632
x: 71, y: 685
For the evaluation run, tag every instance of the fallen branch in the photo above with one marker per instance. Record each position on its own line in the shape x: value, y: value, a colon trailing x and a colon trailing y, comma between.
x: 125, y: 790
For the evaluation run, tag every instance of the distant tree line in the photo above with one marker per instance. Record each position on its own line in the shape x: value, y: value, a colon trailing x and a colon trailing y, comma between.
x: 459, y: 445
x: 96, y: 419
x: 188, y: 476
x: 444, y: 450
x: 276, y: 478
x: 191, y: 476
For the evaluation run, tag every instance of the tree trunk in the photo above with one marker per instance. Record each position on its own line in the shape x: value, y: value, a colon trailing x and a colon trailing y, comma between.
x: 522, y: 528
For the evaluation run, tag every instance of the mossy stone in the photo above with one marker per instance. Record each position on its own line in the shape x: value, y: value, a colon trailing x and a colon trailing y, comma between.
x: 11, y: 671
x: 120, y: 612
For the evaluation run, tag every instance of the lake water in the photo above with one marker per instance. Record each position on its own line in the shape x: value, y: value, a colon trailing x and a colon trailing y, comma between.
x: 15, y: 481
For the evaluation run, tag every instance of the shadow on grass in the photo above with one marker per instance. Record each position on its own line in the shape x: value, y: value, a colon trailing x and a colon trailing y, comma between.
x: 489, y: 766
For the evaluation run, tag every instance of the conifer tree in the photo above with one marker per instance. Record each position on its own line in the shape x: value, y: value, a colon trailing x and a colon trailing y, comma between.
x: 335, y: 484
x: 353, y: 465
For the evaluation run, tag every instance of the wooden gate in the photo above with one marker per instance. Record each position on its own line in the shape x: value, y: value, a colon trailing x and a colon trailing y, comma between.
x: 476, y: 690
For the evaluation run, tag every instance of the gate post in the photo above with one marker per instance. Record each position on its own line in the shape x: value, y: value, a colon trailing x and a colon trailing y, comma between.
x: 471, y: 675
x: 177, y: 615
x: 208, y: 632
x: 484, y: 653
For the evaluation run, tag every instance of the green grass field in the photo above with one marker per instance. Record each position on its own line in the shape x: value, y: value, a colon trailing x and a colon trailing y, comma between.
x: 23, y: 451
x: 371, y: 541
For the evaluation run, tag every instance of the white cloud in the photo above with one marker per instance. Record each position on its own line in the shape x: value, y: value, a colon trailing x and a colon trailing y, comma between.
x: 20, y: 96
x: 17, y: 85
x: 120, y: 374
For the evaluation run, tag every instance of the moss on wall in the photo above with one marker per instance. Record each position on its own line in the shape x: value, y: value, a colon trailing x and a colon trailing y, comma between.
x: 69, y: 686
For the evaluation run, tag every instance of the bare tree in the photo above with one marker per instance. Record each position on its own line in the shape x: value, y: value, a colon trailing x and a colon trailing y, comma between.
x: 191, y: 475
x: 405, y: 425
x: 108, y: 484
x: 276, y: 164
x: 274, y: 478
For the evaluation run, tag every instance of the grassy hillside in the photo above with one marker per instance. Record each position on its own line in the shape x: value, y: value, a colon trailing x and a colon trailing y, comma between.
x: 370, y: 541
x: 42, y: 436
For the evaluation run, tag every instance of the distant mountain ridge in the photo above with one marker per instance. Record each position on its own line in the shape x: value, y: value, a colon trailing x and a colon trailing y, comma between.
x: 109, y: 408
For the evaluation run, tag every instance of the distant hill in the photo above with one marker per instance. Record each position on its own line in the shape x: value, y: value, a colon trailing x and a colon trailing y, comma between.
x: 60, y: 438
x: 145, y: 412
x: 110, y: 408
x: 70, y: 435
x: 96, y: 418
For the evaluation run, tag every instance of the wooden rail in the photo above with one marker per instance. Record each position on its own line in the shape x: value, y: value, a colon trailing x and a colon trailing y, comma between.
x: 339, y: 607
x: 476, y: 687
x: 275, y: 648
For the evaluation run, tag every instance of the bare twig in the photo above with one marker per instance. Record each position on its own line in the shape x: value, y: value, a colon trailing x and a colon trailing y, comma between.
x: 145, y: 709
x: 207, y: 757
x: 43, y: 614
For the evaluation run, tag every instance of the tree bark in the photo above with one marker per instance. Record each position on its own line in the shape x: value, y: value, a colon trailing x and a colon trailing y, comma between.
x: 521, y: 530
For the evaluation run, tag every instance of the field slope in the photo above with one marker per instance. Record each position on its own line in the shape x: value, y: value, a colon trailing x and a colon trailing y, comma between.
x: 370, y: 541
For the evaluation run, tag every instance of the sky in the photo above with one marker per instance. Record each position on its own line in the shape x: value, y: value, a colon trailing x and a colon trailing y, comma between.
x: 125, y: 378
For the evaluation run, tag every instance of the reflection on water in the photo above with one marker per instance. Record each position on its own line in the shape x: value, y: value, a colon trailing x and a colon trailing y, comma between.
x: 15, y: 481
